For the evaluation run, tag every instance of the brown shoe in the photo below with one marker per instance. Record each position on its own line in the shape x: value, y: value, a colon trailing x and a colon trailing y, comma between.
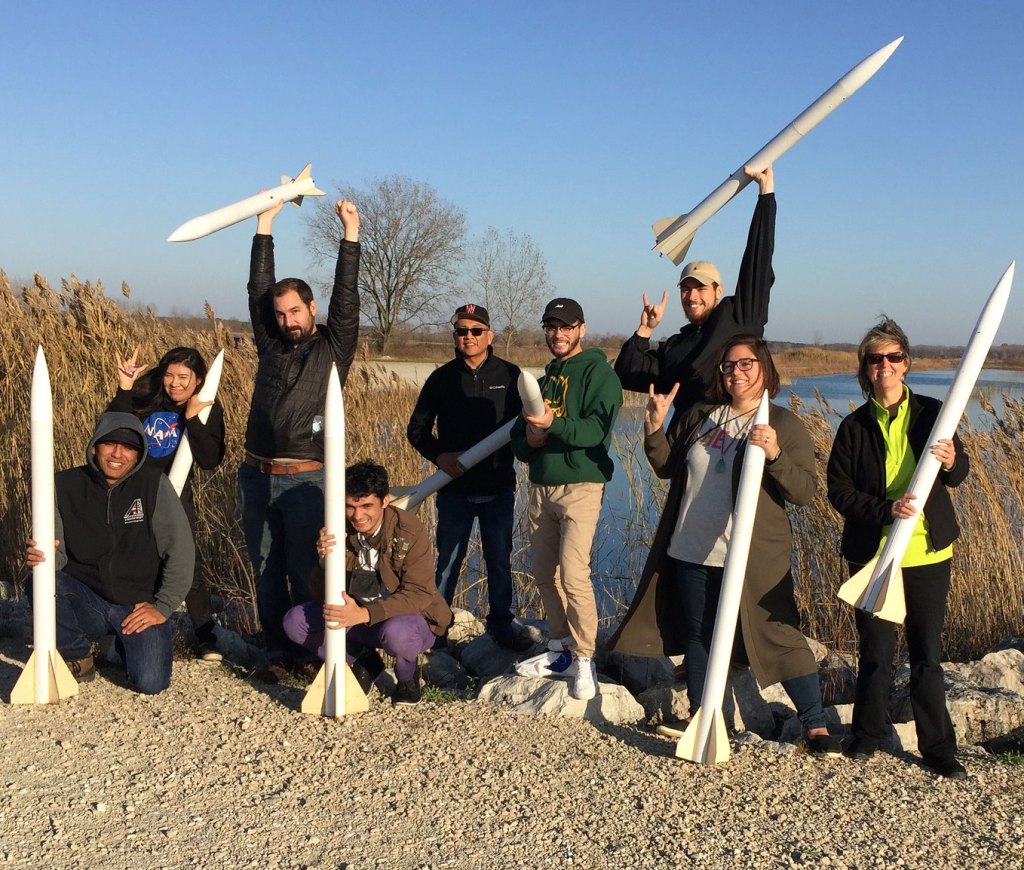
x: 82, y: 670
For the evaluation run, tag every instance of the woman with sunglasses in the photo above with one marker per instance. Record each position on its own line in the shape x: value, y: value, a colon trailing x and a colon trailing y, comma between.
x: 676, y: 602
x: 875, y: 452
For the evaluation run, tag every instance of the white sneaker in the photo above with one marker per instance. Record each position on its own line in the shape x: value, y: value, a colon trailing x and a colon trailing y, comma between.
x: 560, y: 644
x: 584, y: 679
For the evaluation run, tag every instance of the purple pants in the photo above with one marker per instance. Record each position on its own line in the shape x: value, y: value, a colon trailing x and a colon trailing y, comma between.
x: 403, y: 637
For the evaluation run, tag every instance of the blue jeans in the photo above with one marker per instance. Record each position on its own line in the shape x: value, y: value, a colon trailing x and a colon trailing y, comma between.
x: 696, y: 593
x: 84, y: 617
x: 281, y: 518
x: 455, y: 515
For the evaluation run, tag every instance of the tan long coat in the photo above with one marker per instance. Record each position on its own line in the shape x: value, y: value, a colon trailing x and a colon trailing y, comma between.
x: 769, y: 621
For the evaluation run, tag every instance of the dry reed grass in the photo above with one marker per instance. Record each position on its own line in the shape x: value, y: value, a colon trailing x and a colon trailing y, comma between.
x: 82, y: 330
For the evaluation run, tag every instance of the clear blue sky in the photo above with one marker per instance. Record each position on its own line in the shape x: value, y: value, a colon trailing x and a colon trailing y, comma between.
x: 576, y: 122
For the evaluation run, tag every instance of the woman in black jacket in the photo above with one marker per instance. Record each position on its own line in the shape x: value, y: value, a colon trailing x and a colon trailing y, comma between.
x: 166, y: 400
x: 875, y: 452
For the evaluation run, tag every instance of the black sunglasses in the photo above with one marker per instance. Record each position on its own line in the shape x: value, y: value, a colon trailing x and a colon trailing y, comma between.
x: 874, y: 359
x: 463, y: 331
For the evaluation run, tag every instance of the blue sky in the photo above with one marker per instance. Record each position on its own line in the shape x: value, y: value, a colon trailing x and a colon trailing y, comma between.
x: 578, y: 123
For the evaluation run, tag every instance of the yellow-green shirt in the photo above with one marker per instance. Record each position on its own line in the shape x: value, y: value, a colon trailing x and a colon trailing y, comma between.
x: 899, y: 469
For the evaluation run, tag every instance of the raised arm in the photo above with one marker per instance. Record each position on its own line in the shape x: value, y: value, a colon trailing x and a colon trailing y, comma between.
x: 754, y: 284
x: 261, y: 279
x: 343, y: 311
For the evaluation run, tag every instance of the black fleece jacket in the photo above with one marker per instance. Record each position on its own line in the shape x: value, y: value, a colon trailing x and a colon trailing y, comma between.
x: 468, y: 405
x: 129, y: 542
x: 856, y: 479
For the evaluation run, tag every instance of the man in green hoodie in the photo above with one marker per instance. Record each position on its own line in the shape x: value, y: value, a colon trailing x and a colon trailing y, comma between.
x: 566, y: 449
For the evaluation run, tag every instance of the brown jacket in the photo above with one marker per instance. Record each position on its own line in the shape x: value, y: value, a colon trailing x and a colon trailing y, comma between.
x: 406, y: 569
x: 769, y: 621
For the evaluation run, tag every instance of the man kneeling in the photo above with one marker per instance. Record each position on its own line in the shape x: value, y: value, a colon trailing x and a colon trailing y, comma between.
x: 125, y: 556
x: 391, y: 603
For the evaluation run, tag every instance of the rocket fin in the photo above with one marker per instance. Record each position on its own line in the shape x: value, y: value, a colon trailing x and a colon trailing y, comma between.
x: 400, y: 496
x: 314, y: 701
x: 306, y: 170
x: 716, y: 748
x: 678, y: 252
x: 315, y: 191
x: 660, y: 226
x: 853, y: 589
x: 285, y: 179
x: 891, y: 604
x: 61, y: 684
x: 297, y: 201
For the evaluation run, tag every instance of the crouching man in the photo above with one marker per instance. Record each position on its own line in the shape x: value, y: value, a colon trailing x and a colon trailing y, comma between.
x: 392, y: 603
x: 125, y: 556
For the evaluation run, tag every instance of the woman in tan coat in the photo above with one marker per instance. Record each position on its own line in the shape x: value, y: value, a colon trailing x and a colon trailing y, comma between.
x: 675, y: 605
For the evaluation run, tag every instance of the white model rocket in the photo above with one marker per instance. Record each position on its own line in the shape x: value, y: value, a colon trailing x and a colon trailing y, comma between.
x: 46, y: 678
x: 674, y: 234
x: 705, y: 740
x: 410, y: 497
x: 182, y: 463
x: 334, y: 692
x: 878, y: 587
x: 290, y: 190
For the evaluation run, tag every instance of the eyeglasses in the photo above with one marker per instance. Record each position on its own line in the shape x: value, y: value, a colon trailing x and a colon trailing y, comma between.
x: 875, y: 359
x: 555, y: 330
x: 476, y: 331
x: 744, y: 365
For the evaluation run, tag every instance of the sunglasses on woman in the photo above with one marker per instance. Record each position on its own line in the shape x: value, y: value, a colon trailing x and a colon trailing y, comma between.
x: 875, y: 359
x: 744, y: 365
x: 475, y: 331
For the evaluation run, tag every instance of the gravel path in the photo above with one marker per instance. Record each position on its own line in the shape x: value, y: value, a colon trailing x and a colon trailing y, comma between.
x: 221, y: 772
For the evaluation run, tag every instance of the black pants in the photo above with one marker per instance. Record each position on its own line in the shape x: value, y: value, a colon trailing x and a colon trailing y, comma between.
x: 926, y: 588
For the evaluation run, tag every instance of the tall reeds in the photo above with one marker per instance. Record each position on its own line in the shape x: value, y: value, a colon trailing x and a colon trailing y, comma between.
x: 82, y: 331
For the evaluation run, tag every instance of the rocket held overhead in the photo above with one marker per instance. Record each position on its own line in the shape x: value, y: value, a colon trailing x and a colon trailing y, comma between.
x: 182, y: 463
x: 705, y: 740
x: 674, y: 234
x: 878, y: 587
x: 409, y: 497
x: 290, y: 190
x: 46, y: 678
x: 334, y: 691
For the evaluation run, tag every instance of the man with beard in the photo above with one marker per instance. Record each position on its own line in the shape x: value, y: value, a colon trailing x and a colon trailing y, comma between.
x: 566, y: 448
x: 689, y: 357
x: 281, y: 478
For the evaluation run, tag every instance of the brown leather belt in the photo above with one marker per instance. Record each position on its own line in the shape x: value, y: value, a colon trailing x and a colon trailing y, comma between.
x: 283, y: 468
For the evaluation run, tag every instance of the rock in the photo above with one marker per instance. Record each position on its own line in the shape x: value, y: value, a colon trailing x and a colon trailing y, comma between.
x: 444, y: 671
x: 465, y: 627
x: 997, y: 670
x: 818, y: 649
x: 549, y: 695
x: 666, y: 703
x: 981, y: 713
x: 752, y: 711
x: 483, y: 658
x: 637, y: 673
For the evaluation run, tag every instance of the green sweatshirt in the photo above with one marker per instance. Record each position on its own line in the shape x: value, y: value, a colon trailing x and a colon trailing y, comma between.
x: 585, y: 396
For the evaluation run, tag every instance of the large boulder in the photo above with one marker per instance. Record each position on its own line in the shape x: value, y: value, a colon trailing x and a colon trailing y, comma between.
x: 444, y: 671
x: 466, y: 627
x: 637, y: 673
x: 484, y: 659
x: 550, y: 695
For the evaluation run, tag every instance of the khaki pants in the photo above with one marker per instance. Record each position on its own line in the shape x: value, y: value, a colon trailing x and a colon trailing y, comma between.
x: 563, y: 520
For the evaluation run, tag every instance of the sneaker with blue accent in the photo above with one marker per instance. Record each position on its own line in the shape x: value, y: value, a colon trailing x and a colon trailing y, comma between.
x: 584, y: 678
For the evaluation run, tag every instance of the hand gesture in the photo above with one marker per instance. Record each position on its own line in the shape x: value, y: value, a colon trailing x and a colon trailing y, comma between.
x: 129, y: 369
x: 765, y: 178
x: 450, y: 465
x: 265, y: 219
x: 346, y: 614
x: 945, y: 452
x: 143, y: 615
x: 324, y: 543
x: 349, y: 215
x: 195, y: 405
x: 657, y: 408
x: 651, y: 316
x: 765, y: 437
x: 903, y: 508
x: 34, y: 556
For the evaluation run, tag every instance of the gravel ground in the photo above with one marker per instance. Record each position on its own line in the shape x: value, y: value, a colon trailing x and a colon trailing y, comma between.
x: 222, y: 772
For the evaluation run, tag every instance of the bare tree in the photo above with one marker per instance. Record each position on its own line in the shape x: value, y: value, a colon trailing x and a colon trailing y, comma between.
x: 412, y: 247
x: 511, y: 273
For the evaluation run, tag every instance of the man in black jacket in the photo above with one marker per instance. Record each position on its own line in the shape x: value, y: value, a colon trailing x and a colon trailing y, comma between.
x: 124, y: 555
x: 469, y: 398
x: 689, y: 357
x: 281, y: 479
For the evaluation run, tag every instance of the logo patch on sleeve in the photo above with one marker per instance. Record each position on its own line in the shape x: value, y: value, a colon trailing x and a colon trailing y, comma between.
x: 135, y: 514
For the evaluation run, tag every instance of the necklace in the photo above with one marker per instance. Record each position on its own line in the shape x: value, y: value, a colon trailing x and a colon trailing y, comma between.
x: 723, y: 448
